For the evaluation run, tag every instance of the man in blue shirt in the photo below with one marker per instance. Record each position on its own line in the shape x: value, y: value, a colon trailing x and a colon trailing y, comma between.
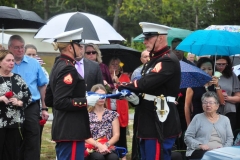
x: 32, y: 73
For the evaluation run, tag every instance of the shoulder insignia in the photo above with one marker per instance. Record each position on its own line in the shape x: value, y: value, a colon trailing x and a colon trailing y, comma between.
x: 68, y: 79
x: 157, y: 67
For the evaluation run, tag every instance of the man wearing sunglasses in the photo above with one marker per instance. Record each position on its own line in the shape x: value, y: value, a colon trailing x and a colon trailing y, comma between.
x: 88, y: 69
x: 160, y: 76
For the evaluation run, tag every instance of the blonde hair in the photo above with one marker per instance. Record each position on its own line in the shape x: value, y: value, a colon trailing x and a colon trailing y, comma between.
x: 94, y: 89
x: 60, y: 45
x: 95, y: 47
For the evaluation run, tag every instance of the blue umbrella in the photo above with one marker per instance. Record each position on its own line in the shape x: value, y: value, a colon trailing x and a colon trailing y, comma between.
x: 192, y: 76
x: 211, y: 42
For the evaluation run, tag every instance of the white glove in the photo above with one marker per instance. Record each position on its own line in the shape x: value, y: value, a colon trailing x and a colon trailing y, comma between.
x: 133, y: 98
x: 92, y: 99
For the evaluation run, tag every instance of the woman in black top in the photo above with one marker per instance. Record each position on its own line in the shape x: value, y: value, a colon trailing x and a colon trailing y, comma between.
x: 14, y: 97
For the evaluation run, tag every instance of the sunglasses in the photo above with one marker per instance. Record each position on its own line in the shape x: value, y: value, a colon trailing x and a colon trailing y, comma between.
x: 221, y: 64
x: 93, y: 52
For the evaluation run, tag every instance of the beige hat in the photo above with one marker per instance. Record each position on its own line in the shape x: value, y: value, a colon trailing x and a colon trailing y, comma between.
x: 70, y: 36
x: 151, y: 29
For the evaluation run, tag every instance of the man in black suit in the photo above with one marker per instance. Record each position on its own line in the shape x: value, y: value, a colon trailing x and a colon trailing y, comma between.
x: 89, y: 70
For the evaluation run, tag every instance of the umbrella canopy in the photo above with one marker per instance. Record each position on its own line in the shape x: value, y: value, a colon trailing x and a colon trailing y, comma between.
x: 4, y: 38
x: 18, y: 18
x: 129, y: 56
x: 172, y: 33
x: 230, y: 28
x: 192, y: 76
x: 211, y: 42
x: 94, y: 27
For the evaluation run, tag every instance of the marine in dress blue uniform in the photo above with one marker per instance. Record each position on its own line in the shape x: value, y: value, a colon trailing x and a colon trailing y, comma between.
x: 66, y: 94
x: 160, y: 76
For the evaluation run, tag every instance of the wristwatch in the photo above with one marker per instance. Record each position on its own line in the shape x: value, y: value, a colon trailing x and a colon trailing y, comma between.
x: 45, y: 109
x: 107, y: 144
x: 218, y: 87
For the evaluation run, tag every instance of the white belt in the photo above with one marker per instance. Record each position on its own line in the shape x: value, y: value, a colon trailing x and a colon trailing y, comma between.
x: 152, y: 98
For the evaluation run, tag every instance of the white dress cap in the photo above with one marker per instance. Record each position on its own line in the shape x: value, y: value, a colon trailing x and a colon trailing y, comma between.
x: 70, y: 36
x: 153, y: 29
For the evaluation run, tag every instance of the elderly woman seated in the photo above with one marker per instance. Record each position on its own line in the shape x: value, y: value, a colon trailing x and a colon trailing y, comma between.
x: 208, y: 130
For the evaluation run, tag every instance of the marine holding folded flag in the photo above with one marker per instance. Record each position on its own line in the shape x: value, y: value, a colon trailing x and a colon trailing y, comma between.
x: 159, y: 123
x: 66, y: 93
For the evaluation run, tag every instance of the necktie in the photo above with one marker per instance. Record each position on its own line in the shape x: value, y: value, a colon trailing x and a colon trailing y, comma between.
x: 80, y: 69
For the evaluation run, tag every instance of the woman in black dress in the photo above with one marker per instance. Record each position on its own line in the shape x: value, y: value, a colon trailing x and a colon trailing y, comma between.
x: 14, y: 97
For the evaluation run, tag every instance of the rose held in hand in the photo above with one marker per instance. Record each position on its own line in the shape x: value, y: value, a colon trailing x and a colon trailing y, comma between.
x: 9, y: 94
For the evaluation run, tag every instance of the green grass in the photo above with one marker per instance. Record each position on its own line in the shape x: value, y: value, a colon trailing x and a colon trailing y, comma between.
x: 49, y: 60
x: 48, y: 146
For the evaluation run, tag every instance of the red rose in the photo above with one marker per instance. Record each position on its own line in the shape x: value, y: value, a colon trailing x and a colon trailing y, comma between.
x: 9, y: 94
x: 179, y: 95
x: 42, y: 122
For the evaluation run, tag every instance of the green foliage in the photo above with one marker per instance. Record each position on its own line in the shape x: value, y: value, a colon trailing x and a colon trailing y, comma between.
x: 186, y: 14
x: 9, y: 3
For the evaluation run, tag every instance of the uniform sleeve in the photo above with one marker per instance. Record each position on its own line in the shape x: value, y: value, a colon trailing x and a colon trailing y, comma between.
x: 41, y: 79
x: 157, y: 76
x: 63, y: 95
x: 49, y: 96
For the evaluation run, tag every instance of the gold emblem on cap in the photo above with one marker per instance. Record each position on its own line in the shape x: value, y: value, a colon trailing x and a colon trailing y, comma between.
x: 140, y: 25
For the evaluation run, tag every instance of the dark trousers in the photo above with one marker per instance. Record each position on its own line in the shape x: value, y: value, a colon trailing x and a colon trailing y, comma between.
x: 197, y: 155
x: 122, y: 142
x: 31, y: 133
x: 232, y: 118
x: 72, y: 150
x: 99, y: 156
x: 10, y: 141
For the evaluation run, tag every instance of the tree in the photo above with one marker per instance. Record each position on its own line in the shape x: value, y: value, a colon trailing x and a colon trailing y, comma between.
x: 226, y: 12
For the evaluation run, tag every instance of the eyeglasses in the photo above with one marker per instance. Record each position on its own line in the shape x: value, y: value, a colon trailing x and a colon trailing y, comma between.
x: 210, y: 103
x: 221, y: 64
x: 93, y: 52
x: 18, y: 47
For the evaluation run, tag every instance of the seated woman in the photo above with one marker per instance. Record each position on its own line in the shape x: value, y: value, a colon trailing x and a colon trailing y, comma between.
x: 208, y: 130
x: 104, y: 126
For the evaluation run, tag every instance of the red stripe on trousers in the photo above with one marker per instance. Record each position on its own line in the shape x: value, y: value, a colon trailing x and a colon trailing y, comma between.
x: 158, y: 150
x: 74, y: 148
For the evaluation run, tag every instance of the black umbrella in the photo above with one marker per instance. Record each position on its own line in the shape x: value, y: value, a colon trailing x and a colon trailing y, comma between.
x: 18, y: 18
x: 129, y: 56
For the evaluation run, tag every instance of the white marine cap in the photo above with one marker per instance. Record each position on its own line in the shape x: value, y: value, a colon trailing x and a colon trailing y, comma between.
x: 70, y: 36
x: 151, y: 29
